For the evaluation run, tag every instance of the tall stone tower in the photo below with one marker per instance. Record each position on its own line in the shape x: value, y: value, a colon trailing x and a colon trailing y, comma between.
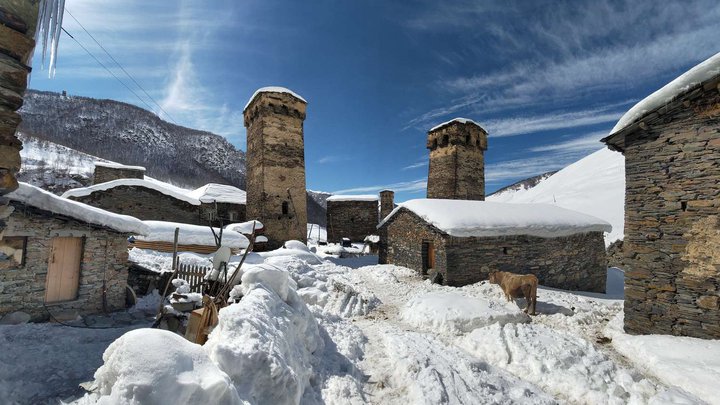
x: 457, y: 160
x: 276, y: 164
x: 387, y: 203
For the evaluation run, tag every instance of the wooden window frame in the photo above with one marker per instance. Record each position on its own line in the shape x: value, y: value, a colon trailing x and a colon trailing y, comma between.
x: 23, y: 259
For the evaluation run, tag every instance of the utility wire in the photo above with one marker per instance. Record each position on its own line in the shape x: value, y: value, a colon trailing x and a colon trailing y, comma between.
x: 106, y: 68
x: 120, y: 66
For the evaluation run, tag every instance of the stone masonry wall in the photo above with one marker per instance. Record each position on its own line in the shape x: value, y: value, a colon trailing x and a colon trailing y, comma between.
x: 387, y: 205
x: 576, y: 262
x: 104, y: 174
x: 18, y: 20
x: 104, y: 257
x: 672, y: 233
x: 405, y: 235
x: 351, y: 219
x: 276, y: 166
x: 457, y: 163
x: 144, y: 203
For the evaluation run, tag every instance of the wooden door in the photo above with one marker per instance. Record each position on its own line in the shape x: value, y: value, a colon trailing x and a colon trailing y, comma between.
x: 428, y: 256
x: 63, y: 277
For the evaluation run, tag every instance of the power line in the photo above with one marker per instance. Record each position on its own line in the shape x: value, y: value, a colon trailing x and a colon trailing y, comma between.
x: 106, y: 68
x: 120, y: 66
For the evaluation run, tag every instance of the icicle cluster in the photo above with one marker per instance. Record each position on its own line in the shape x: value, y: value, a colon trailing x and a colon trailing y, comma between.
x: 49, y: 26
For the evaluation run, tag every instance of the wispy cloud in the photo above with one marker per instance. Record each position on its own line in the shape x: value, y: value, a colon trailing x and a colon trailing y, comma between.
x: 409, y: 186
x: 584, y: 143
x: 416, y: 165
x: 331, y: 159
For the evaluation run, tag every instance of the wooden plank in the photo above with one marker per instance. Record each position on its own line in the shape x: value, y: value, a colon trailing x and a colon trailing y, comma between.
x: 63, y: 277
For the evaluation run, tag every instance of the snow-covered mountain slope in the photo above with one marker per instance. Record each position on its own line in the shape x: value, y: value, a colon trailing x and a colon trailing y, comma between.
x: 594, y: 185
x: 510, y: 192
x: 128, y: 134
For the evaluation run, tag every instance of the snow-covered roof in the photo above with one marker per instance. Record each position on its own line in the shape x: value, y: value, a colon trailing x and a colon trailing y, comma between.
x: 245, y: 228
x: 273, y: 89
x: 38, y: 198
x: 113, y: 165
x: 701, y: 73
x: 156, y: 185
x: 459, y: 120
x: 466, y: 218
x: 213, y: 192
x: 360, y: 197
x: 162, y: 231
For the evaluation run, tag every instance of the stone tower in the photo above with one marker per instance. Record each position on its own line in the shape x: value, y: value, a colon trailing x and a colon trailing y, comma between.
x: 276, y: 164
x: 457, y: 162
x: 387, y: 203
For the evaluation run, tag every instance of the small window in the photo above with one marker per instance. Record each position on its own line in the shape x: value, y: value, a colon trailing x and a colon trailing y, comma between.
x: 683, y: 205
x: 445, y: 140
x: 506, y: 250
x: 467, y: 139
x: 285, y: 208
x: 232, y: 215
x: 12, y: 251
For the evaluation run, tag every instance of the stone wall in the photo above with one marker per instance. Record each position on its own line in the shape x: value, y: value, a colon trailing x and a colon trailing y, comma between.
x: 577, y: 262
x: 144, y: 203
x: 351, y: 219
x: 672, y: 235
x: 104, y: 258
x: 222, y: 213
x: 18, y: 19
x: 276, y: 166
x: 104, y: 174
x: 387, y: 205
x: 457, y: 163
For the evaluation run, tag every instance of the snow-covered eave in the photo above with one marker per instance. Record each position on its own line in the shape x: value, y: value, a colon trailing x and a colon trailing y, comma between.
x: 541, y: 231
x: 356, y: 197
x: 273, y: 89
x: 691, y: 84
x: 458, y: 120
x: 42, y: 200
x: 112, y: 165
x: 86, y: 191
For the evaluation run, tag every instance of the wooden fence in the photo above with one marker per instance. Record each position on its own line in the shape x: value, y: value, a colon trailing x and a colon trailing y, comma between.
x: 193, y: 274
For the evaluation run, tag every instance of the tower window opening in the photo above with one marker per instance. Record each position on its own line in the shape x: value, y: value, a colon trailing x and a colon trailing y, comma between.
x: 285, y: 208
x: 445, y: 140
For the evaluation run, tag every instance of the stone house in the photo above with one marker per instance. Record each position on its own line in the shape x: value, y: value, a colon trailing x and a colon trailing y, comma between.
x: 351, y: 216
x: 459, y: 242
x: 671, y: 143
x: 125, y: 190
x: 63, y: 255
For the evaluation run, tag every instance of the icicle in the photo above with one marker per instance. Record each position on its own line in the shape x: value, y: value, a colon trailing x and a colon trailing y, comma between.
x: 49, y: 25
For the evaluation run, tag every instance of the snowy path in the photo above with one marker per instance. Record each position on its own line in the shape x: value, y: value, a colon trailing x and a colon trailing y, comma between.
x: 560, y: 356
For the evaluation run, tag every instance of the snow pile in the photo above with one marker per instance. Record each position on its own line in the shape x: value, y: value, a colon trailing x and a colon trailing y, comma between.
x: 296, y: 244
x: 484, y: 218
x: 245, y: 228
x: 162, y: 261
x: 455, y: 313
x: 459, y: 120
x: 161, y: 231
x: 359, y: 197
x: 564, y: 365
x: 594, y: 185
x: 156, y: 185
x: 698, y: 74
x: 172, y: 370
x: 273, y: 89
x: 38, y: 198
x: 268, y: 276
x: 266, y: 346
x: 221, y: 193
x: 689, y: 363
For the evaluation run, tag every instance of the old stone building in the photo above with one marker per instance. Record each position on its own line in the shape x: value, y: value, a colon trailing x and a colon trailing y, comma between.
x: 351, y: 216
x: 18, y: 20
x: 149, y: 199
x: 457, y: 165
x: 276, y: 163
x: 387, y: 205
x: 671, y: 143
x: 62, y: 255
x: 461, y: 242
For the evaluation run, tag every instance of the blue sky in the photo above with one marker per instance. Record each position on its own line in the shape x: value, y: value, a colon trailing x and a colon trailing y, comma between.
x: 546, y: 79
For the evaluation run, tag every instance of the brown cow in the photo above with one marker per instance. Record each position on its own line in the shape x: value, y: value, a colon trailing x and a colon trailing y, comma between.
x: 517, y: 286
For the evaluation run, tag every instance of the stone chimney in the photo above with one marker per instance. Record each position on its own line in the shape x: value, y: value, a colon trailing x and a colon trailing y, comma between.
x: 105, y: 172
x: 387, y: 203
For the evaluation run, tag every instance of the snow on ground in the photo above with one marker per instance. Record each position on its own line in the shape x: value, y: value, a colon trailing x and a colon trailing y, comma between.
x: 351, y: 331
x: 594, y: 185
x: 689, y: 363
